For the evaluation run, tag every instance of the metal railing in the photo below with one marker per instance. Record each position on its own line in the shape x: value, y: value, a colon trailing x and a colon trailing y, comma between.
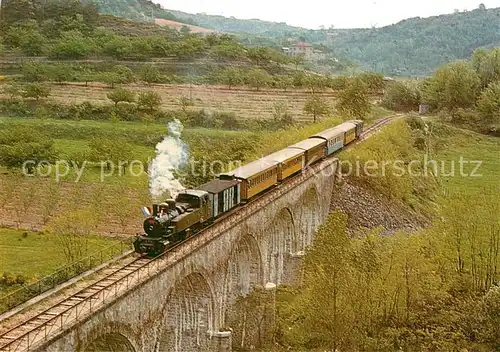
x: 61, y: 275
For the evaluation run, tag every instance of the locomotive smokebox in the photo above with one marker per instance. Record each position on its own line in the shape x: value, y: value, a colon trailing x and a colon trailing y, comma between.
x: 155, y: 209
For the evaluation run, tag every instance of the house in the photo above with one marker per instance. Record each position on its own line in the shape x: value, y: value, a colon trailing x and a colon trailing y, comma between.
x: 301, y: 49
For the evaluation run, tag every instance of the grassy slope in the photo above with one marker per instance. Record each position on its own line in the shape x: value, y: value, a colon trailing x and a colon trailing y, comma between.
x: 453, y: 143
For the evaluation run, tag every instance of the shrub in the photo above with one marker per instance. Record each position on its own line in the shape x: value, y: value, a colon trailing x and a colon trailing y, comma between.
x: 149, y: 101
x: 401, y: 97
x: 488, y: 104
x: 35, y: 91
x: 127, y: 111
x: 121, y: 95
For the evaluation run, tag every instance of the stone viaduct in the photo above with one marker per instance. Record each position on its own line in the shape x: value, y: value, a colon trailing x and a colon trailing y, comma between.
x: 185, y: 306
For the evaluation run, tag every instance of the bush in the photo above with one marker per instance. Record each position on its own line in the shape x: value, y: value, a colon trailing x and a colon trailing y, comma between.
x: 401, y: 97
x: 34, y: 72
x: 35, y: 91
x: 15, y: 107
x: 121, y: 95
x: 488, y: 104
x: 127, y: 111
x: 149, y: 101
x: 20, y: 144
x: 374, y: 81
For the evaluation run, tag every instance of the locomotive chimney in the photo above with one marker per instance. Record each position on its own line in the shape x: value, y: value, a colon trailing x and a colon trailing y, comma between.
x: 155, y: 209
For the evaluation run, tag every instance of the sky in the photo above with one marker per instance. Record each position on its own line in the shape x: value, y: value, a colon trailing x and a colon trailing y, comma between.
x: 316, y: 13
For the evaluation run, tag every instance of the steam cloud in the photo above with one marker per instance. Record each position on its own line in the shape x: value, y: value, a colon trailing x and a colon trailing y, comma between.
x: 171, y: 154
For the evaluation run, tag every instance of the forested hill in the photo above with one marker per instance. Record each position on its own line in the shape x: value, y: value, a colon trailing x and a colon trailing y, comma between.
x: 415, y: 46
x: 419, y: 45
x: 138, y: 10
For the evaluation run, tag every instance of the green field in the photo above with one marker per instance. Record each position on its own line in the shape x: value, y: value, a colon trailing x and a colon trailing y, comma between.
x: 32, y: 254
x: 453, y: 143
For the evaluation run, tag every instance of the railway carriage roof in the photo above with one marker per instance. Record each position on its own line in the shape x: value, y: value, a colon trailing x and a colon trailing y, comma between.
x: 308, y: 144
x: 284, y: 155
x: 256, y: 167
x: 217, y: 186
x: 330, y: 133
x: 347, y: 126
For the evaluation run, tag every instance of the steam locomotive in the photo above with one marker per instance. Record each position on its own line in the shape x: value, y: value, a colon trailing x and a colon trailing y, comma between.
x: 174, y: 221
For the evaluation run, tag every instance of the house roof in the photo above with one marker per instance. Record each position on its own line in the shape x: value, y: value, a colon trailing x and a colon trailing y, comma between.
x: 303, y: 44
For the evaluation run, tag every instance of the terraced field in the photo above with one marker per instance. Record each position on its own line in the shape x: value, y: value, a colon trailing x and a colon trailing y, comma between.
x: 246, y: 103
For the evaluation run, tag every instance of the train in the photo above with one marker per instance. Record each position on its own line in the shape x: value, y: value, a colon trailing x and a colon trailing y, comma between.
x: 174, y: 221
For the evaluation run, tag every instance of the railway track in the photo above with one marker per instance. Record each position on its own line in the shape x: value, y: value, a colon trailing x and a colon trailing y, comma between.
x: 31, y: 331
x: 377, y: 125
x: 48, y: 323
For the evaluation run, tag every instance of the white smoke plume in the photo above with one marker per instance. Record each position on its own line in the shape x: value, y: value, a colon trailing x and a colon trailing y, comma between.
x: 171, y: 154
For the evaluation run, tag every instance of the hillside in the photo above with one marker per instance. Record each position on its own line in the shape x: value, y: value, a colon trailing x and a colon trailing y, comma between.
x: 417, y: 46
x: 412, y: 47
x: 138, y: 10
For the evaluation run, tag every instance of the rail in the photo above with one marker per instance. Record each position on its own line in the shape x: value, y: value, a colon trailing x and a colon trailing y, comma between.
x: 52, y: 322
x: 46, y: 283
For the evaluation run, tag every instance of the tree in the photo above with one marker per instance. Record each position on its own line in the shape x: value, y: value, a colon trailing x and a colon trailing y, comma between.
x: 231, y: 50
x: 316, y: 106
x: 283, y: 82
x: 118, y: 75
x: 118, y: 47
x: 354, y: 101
x: 453, y: 86
x: 13, y: 12
x: 401, y: 97
x: 231, y: 76
x: 50, y: 198
x: 297, y: 61
x: 27, y: 38
x: 258, y: 78
x: 374, y: 81
x: 281, y: 114
x: 34, y: 71
x: 85, y: 75
x: 487, y: 65
x: 149, y: 101
x: 488, y: 104
x: 150, y: 74
x: 13, y: 91
x: 73, y: 231
x: 327, y: 282
x: 72, y: 45
x: 23, y: 144
x: 35, y: 91
x: 121, y: 94
x: 61, y: 73
x: 111, y: 152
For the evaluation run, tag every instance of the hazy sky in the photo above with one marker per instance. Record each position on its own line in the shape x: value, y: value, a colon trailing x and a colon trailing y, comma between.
x: 314, y: 13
